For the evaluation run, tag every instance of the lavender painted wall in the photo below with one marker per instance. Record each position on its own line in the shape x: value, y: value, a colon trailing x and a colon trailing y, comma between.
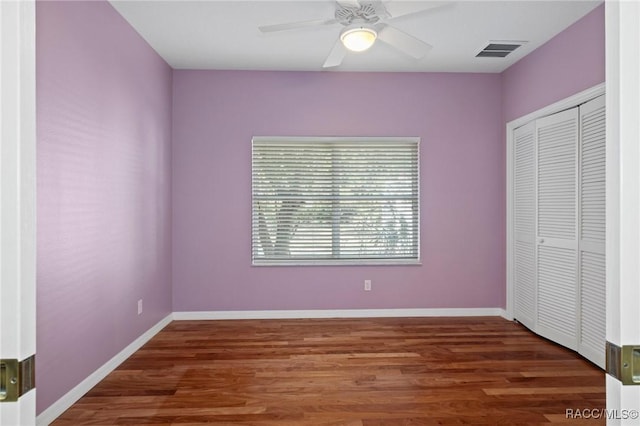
x: 104, y: 103
x: 572, y: 61
x: 103, y: 171
x: 215, y: 114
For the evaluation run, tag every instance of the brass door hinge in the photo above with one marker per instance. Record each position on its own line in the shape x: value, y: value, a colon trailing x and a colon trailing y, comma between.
x: 623, y: 363
x: 16, y: 378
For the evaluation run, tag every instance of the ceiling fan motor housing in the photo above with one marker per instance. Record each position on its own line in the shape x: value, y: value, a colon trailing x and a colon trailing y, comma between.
x: 368, y: 13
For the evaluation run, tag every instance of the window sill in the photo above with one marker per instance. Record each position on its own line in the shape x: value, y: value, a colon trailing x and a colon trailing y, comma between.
x: 355, y: 262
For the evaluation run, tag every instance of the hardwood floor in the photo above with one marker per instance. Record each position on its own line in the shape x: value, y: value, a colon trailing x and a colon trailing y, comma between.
x: 382, y: 371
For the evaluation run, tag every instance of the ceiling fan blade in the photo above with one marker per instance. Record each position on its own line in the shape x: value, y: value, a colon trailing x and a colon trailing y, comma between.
x: 296, y: 25
x: 399, y: 8
x: 402, y: 41
x: 337, y: 54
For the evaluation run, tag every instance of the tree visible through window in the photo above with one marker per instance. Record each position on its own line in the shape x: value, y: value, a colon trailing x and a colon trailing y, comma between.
x: 335, y: 200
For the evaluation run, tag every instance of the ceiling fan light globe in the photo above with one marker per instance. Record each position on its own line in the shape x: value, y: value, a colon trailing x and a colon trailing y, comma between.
x: 358, y: 39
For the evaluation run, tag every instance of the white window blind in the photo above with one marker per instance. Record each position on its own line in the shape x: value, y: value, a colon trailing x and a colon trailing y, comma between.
x: 335, y: 200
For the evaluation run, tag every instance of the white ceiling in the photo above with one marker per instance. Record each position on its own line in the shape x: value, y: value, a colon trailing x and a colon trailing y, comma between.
x: 224, y: 35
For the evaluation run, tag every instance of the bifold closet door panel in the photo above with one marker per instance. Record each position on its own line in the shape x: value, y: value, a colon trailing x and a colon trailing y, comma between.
x: 592, y: 212
x: 524, y: 196
x: 557, y: 239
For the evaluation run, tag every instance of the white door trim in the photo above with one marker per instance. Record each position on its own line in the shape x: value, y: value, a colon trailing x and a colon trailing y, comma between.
x: 17, y: 196
x: 622, y: 24
x: 570, y: 102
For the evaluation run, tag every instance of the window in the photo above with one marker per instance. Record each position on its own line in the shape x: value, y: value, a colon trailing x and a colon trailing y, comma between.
x: 335, y: 200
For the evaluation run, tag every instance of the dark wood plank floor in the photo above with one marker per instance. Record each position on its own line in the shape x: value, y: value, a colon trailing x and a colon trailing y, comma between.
x: 383, y: 371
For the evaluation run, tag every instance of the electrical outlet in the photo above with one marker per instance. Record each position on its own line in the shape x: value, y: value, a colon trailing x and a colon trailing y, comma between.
x: 367, y: 285
x: 139, y: 306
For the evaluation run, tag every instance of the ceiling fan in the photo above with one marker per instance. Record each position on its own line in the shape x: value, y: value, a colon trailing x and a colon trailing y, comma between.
x: 364, y: 22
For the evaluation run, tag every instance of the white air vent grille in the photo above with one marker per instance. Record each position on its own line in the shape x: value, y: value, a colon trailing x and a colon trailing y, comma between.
x: 499, y: 49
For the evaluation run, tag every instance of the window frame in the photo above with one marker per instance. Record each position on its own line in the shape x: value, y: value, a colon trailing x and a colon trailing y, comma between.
x: 337, y: 261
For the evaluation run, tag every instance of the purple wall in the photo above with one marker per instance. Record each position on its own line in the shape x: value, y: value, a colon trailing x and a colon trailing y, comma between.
x: 569, y: 63
x: 103, y: 171
x: 105, y: 206
x: 458, y: 117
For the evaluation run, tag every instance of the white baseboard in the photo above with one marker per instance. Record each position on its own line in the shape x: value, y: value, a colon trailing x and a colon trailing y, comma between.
x: 61, y: 405
x: 507, y: 314
x: 340, y: 313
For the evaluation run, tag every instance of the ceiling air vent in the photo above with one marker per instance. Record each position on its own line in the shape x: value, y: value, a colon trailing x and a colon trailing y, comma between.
x: 499, y: 49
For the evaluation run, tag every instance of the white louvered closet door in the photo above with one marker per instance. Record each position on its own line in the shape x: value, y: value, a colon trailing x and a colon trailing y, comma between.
x: 524, y: 224
x: 591, y: 343
x: 557, y: 239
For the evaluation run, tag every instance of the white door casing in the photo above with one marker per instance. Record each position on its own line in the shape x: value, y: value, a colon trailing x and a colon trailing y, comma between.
x: 622, y: 26
x: 17, y: 196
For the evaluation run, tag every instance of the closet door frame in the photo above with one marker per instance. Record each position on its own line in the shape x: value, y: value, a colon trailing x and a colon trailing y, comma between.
x: 559, y: 106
